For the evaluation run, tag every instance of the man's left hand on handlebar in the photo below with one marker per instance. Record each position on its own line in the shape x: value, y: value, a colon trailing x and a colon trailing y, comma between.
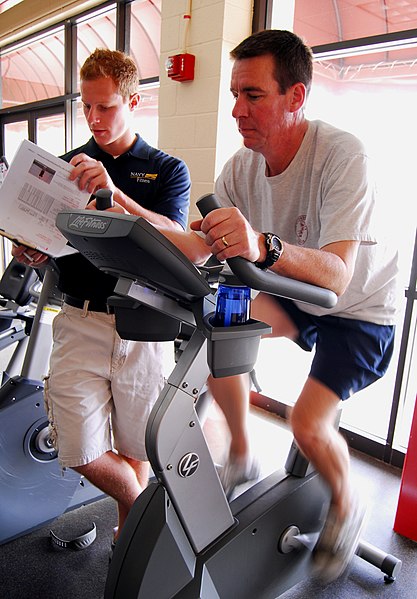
x: 229, y: 234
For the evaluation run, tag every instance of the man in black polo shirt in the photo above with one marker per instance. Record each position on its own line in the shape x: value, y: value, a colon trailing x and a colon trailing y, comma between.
x: 101, y: 388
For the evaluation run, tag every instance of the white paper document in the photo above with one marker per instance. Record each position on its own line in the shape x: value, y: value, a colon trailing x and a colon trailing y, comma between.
x: 34, y: 190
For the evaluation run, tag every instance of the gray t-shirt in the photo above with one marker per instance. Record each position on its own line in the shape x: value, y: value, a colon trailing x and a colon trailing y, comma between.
x: 325, y: 195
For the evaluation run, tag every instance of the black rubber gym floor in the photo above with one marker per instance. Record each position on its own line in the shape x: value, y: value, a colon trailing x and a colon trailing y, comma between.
x: 31, y: 567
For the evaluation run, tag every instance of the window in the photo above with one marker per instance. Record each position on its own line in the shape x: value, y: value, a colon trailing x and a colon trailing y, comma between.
x: 97, y: 30
x: 49, y: 127
x: 33, y: 70
x: 6, y: 4
x: 365, y: 77
x: 13, y: 133
x: 145, y: 117
x: 145, y: 37
x: 329, y: 21
x: 145, y: 43
x: 359, y: 87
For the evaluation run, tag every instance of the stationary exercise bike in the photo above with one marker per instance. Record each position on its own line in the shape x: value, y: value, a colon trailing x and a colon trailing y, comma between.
x: 182, y: 538
x: 33, y: 488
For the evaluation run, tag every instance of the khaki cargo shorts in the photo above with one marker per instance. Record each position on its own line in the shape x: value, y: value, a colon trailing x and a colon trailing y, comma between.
x: 100, y: 389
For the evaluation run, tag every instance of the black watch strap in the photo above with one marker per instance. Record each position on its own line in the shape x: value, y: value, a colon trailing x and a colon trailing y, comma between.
x: 274, y: 250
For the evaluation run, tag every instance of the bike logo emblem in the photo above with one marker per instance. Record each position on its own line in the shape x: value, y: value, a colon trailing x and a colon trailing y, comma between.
x: 88, y: 223
x: 188, y: 465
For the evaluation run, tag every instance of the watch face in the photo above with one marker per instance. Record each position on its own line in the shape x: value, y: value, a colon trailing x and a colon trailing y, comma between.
x: 274, y: 243
x: 274, y: 250
x: 274, y: 246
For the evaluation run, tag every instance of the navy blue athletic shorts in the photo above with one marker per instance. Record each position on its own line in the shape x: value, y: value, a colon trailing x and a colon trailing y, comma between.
x: 350, y: 354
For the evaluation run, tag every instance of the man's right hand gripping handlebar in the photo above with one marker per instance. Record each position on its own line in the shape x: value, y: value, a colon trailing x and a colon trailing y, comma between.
x: 267, y: 281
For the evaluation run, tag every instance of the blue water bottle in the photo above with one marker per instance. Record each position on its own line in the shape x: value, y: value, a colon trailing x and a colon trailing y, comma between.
x: 232, y: 305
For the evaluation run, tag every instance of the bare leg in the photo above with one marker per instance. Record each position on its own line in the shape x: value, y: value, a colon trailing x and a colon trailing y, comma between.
x: 119, y: 477
x: 266, y: 309
x: 312, y: 421
x: 232, y: 395
x: 313, y: 416
x: 142, y: 474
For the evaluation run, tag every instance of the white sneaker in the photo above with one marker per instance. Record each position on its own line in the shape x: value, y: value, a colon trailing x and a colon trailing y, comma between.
x: 338, y: 542
x: 237, y: 472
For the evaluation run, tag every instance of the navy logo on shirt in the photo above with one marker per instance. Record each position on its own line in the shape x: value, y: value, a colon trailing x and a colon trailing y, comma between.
x: 143, y: 177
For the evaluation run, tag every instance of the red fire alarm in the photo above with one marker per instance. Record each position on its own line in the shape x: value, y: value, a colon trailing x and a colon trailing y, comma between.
x: 181, y: 67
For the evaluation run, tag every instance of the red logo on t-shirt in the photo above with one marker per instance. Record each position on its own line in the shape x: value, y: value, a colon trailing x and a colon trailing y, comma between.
x: 301, y: 229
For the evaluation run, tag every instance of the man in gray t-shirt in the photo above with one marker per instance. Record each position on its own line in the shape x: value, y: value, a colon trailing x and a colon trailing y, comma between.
x: 298, y: 199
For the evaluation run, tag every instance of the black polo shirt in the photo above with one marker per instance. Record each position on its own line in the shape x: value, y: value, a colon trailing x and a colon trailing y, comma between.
x: 155, y: 180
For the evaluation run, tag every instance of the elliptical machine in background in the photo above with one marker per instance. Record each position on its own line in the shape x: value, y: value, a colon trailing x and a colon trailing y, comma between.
x: 33, y: 488
x: 17, y: 309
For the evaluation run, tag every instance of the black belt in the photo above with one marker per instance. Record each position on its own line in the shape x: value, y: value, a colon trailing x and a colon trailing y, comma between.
x: 93, y: 306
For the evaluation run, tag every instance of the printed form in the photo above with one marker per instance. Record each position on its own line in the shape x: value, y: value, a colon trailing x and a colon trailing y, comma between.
x: 35, y: 189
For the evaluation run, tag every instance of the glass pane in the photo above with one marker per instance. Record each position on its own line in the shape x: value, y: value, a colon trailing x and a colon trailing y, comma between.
x: 145, y: 117
x: 328, y: 21
x: 362, y: 95
x: 402, y: 431
x: 33, y: 70
x: 408, y: 391
x: 14, y: 134
x: 145, y: 36
x: 6, y: 4
x: 96, y: 31
x: 50, y: 133
x: 81, y: 131
x: 282, y: 368
x: 363, y: 91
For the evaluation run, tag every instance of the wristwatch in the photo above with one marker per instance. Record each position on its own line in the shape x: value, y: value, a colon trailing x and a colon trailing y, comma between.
x: 274, y: 250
